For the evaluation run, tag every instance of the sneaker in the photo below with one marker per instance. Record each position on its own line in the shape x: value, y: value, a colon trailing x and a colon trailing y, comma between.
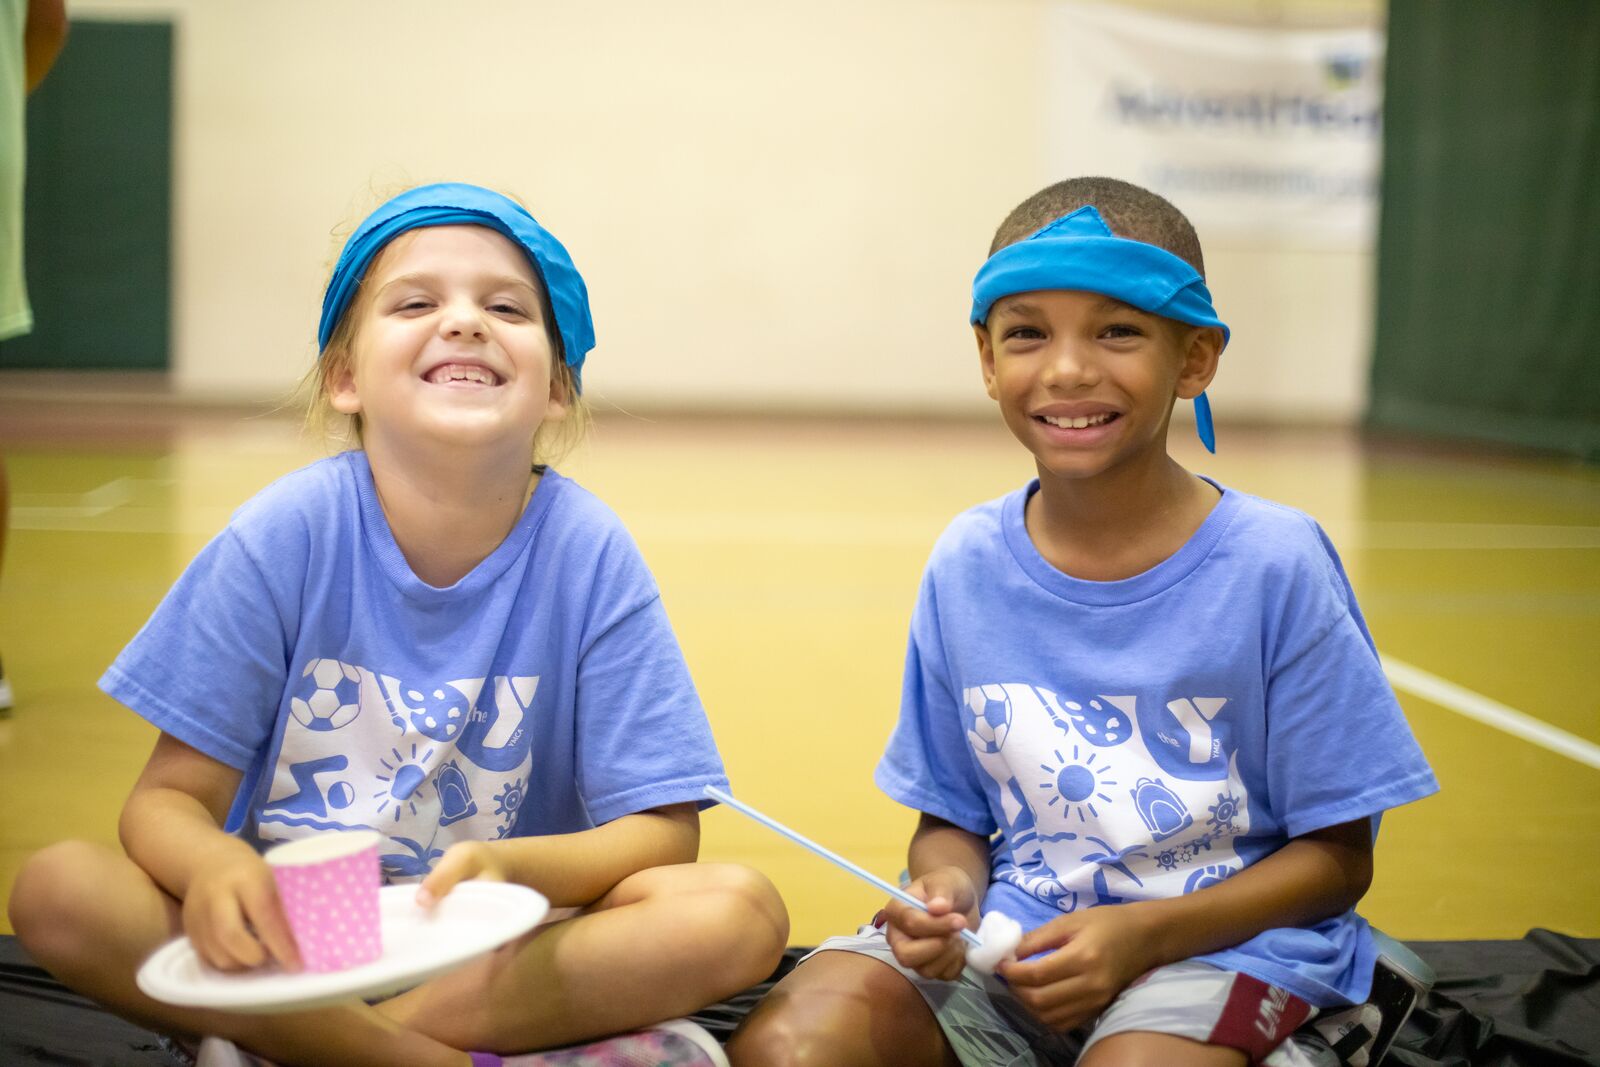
x: 674, y: 1043
x: 1399, y: 981
x: 1351, y: 1034
x: 1360, y: 1035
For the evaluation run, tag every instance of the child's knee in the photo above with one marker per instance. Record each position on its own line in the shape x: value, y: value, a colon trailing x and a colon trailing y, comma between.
x: 52, y: 894
x: 788, y: 1029
x: 777, y: 1039
x: 755, y: 891
x: 1135, y: 1048
x: 802, y: 1032
x: 839, y: 1009
x: 735, y: 916
x: 751, y: 904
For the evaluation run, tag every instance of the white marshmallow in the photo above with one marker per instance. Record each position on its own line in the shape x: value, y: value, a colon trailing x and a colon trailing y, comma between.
x: 1000, y: 934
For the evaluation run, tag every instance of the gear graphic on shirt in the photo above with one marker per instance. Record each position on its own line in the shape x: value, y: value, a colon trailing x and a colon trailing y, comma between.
x: 1223, y: 813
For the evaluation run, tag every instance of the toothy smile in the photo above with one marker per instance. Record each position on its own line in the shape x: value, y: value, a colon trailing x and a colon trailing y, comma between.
x: 1080, y: 422
x: 448, y: 373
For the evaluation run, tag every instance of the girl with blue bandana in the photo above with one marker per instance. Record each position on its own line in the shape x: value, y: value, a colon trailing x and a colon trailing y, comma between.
x: 438, y: 637
x: 1142, y: 715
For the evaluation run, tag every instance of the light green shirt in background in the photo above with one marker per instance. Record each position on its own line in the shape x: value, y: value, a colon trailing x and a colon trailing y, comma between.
x: 15, y: 315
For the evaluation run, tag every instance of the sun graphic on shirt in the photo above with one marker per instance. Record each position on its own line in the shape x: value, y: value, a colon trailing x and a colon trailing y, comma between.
x: 407, y: 778
x: 1078, y: 783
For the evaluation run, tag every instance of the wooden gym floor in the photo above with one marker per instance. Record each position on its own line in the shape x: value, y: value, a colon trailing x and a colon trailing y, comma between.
x: 788, y: 553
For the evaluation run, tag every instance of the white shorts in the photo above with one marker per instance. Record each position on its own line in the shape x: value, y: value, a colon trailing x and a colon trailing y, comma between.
x: 988, y: 1026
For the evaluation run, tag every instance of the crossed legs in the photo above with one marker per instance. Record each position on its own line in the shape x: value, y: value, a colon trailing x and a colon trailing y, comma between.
x: 847, y: 1009
x: 662, y: 943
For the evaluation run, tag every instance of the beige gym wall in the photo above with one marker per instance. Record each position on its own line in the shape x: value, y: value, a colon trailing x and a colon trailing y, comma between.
x: 777, y: 206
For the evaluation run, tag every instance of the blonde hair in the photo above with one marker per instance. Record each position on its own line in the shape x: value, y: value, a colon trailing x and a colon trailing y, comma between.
x: 552, y: 442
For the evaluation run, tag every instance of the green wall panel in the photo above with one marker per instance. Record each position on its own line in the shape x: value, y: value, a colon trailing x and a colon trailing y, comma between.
x: 98, y: 225
x: 1489, y: 249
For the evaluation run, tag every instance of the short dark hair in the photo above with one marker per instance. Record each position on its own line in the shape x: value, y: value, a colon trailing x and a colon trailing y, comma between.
x: 1130, y: 210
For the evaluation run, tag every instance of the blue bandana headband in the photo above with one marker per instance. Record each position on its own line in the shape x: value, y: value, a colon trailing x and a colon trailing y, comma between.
x: 458, y: 204
x: 1079, y: 251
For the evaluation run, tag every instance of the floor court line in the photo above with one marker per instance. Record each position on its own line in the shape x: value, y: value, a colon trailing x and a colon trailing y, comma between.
x: 37, y: 511
x: 1464, y: 701
x: 116, y: 494
x: 1472, y: 536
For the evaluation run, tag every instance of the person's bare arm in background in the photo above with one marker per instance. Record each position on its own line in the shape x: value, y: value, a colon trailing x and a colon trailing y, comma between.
x: 42, y: 37
x: 43, y: 34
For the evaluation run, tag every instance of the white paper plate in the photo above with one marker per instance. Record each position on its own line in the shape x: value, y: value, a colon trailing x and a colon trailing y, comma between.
x: 473, y: 918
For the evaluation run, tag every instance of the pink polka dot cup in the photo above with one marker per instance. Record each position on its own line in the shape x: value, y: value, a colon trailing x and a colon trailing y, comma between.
x: 329, y: 887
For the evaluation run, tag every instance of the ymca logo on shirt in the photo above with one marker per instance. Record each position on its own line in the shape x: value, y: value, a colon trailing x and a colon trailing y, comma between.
x: 426, y: 765
x: 1105, y: 798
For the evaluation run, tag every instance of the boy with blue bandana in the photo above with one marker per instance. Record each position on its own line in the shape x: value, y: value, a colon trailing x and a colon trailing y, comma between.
x: 1142, y: 713
x: 438, y: 637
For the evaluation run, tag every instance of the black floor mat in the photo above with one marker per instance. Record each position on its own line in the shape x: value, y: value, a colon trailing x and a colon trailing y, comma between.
x: 1528, y: 1003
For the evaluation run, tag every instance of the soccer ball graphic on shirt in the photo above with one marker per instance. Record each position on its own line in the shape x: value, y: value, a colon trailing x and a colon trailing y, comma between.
x: 327, y: 696
x: 990, y: 708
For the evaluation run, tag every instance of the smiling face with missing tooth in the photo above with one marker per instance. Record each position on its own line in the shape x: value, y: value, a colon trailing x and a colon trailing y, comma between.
x: 1087, y: 382
x: 450, y: 346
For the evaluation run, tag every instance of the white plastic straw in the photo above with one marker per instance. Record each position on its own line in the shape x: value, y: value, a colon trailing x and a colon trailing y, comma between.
x: 832, y: 857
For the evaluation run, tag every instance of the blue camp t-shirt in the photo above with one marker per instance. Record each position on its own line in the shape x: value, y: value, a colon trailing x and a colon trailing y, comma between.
x: 1138, y: 739
x: 543, y: 693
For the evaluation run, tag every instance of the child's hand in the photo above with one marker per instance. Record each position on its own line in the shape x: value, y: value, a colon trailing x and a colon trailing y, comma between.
x: 463, y: 860
x: 232, y: 915
x: 929, y: 942
x: 1098, y: 952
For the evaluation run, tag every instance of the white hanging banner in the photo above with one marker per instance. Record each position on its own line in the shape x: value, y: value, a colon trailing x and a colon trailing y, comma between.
x: 1255, y: 133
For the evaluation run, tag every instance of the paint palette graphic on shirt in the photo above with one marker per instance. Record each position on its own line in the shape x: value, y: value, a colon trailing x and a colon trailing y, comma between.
x: 439, y: 713
x: 1102, y: 721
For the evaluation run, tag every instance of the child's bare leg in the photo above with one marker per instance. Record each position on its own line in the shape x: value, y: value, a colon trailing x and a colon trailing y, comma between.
x: 842, y: 1009
x: 663, y: 943
x: 91, y: 915
x: 1139, y: 1048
